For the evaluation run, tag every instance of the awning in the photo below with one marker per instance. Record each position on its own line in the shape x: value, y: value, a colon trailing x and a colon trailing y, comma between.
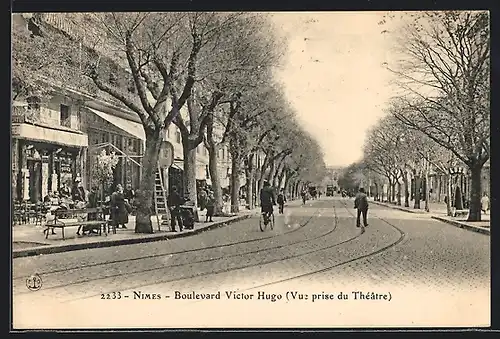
x: 49, y: 135
x: 132, y: 127
x: 179, y: 166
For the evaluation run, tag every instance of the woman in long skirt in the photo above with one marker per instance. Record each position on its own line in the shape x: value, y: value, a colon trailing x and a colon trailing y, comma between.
x: 119, y: 213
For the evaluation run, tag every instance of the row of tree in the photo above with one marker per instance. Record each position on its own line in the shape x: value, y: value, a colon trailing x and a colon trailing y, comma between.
x: 440, y: 117
x: 219, y: 67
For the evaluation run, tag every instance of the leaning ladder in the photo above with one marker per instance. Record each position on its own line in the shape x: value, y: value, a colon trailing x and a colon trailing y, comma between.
x: 160, y: 196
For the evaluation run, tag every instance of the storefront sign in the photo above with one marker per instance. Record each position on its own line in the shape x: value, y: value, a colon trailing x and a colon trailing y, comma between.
x: 166, y: 157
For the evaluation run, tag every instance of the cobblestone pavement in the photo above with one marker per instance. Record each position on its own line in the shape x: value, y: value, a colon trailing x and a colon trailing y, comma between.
x: 314, y: 249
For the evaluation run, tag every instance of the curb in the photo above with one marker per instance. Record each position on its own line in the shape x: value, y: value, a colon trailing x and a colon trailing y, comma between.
x: 102, y: 244
x: 463, y: 225
x: 399, y: 208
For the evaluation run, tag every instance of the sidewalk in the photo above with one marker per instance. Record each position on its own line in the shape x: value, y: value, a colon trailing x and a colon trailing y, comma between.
x: 438, y: 211
x: 29, y: 240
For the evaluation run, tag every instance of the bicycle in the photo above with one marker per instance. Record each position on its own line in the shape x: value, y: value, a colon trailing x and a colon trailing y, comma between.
x: 265, y: 219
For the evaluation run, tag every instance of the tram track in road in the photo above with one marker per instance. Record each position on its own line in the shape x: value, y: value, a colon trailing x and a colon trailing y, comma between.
x: 241, y: 254
x: 159, y: 255
x: 402, y: 236
x: 182, y: 252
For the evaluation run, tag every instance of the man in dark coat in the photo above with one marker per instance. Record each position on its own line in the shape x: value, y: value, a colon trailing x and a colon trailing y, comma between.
x: 119, y: 213
x: 361, y: 203
x: 281, y: 200
x: 267, y: 201
x: 78, y: 192
x: 174, y: 201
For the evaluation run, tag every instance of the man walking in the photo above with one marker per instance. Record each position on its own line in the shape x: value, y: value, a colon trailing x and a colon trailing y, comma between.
x: 174, y: 201
x: 281, y: 200
x: 361, y: 203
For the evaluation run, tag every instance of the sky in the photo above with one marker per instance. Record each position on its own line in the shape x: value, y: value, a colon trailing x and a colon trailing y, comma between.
x: 334, y: 77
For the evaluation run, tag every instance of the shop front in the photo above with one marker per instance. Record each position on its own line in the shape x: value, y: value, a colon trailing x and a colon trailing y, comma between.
x: 126, y: 138
x: 122, y: 136
x: 45, y: 158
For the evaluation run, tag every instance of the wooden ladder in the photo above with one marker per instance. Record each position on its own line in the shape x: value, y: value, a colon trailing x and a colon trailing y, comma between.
x: 160, y: 196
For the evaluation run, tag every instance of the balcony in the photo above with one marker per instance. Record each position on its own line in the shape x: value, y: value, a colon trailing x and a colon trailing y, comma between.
x: 21, y: 114
x: 26, y: 124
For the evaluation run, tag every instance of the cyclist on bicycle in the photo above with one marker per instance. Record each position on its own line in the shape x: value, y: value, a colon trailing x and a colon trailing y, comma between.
x: 267, y: 201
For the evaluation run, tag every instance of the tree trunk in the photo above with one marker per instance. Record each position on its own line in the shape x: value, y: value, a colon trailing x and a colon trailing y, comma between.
x: 458, y: 198
x: 448, y: 195
x: 475, y: 193
x: 215, y: 179
x: 249, y: 191
x: 288, y: 177
x: 262, y: 171
x: 189, y: 176
x: 276, y: 176
x: 281, y: 177
x: 297, y: 184
x: 235, y: 181
x: 389, y: 192
x: 270, y: 174
x: 417, y: 192
x: 145, y: 193
x: 393, y: 192
x: 406, y: 188
x: 439, y: 185
x: 426, y: 193
x: 291, y: 189
x: 399, y: 193
x: 249, y: 175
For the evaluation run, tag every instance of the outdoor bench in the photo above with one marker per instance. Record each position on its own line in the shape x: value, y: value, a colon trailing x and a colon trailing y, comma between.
x: 461, y: 213
x: 99, y: 223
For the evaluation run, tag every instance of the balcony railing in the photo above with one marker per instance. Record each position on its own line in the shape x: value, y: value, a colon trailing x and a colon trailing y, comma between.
x: 25, y: 115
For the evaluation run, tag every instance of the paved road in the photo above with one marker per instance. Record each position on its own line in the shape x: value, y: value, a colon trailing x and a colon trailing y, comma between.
x: 429, y: 273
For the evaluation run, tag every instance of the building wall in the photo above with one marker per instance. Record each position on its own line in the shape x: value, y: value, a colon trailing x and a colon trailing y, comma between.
x: 50, y: 113
x: 39, y: 164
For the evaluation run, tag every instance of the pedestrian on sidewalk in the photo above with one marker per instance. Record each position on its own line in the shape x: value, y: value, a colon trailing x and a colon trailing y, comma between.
x: 361, y: 204
x: 202, y: 198
x: 281, y: 200
x: 209, y: 205
x: 119, y: 212
x: 174, y: 202
x: 304, y: 196
x: 485, y: 203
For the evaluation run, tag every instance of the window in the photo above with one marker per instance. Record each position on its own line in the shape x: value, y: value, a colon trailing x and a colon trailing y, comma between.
x: 223, y: 153
x: 65, y: 116
x: 130, y: 145
x: 178, y: 136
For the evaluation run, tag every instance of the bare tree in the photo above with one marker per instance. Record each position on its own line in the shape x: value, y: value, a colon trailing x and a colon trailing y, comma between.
x: 445, y: 78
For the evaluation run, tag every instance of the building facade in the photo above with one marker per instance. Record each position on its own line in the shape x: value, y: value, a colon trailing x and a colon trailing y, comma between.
x: 55, y: 141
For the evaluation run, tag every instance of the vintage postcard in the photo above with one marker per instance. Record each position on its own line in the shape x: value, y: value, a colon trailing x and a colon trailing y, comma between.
x: 250, y: 170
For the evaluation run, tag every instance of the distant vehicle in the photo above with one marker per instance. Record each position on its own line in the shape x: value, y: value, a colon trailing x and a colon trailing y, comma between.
x: 329, y: 190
